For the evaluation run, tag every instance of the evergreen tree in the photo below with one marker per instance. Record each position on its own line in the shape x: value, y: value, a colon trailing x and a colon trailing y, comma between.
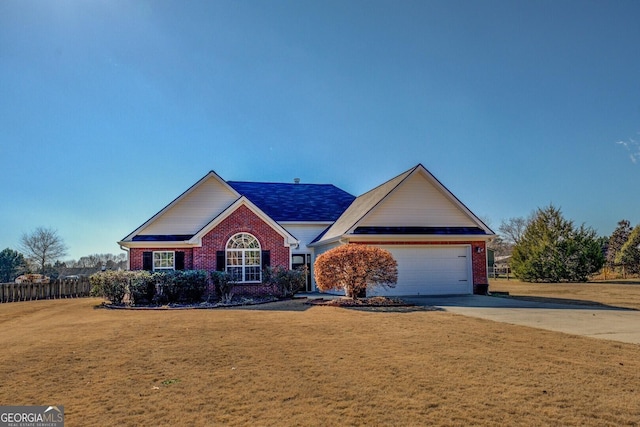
x: 618, y: 238
x: 12, y: 264
x: 552, y: 249
x: 629, y: 255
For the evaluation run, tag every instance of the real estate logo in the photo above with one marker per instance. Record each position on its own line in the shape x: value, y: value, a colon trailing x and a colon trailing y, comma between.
x: 31, y: 416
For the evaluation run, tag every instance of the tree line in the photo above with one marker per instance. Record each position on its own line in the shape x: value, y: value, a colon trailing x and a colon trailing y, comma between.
x: 41, y: 252
x: 547, y: 247
x: 544, y: 247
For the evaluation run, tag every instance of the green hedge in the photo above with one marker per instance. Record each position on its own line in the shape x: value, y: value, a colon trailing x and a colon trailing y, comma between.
x: 185, y: 286
x: 143, y: 287
x: 111, y: 285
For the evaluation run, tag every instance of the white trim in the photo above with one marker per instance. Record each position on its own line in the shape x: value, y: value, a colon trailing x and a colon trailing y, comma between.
x: 289, y: 240
x: 433, y: 181
x: 306, y: 222
x: 153, y: 261
x: 243, y: 251
x: 196, y: 241
x: 415, y: 237
x: 326, y: 242
x: 178, y: 199
x: 348, y: 231
x: 156, y: 245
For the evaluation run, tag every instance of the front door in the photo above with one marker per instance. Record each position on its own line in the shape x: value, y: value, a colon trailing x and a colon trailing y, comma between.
x: 299, y: 262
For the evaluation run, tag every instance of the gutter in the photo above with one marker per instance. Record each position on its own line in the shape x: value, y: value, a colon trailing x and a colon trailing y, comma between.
x: 127, y: 251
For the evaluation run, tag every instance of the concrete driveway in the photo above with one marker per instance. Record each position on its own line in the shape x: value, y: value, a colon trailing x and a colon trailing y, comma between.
x: 596, y: 321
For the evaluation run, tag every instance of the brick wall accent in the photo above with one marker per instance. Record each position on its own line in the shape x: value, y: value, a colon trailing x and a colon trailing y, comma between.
x: 242, y: 220
x: 478, y: 259
x: 204, y: 258
x: 135, y: 256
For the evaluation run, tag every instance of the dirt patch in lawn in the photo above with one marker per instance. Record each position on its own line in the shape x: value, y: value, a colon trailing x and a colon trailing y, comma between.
x: 316, y: 365
x: 616, y: 294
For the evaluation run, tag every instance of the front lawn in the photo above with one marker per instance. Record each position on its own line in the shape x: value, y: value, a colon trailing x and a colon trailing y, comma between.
x: 287, y: 363
x: 621, y: 293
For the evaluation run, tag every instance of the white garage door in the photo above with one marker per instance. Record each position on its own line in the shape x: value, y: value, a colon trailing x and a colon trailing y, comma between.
x: 430, y: 270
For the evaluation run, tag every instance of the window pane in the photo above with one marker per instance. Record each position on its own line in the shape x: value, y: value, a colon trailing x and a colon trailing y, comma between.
x: 244, y: 258
x: 234, y: 258
x: 235, y: 273
x: 243, y: 241
x: 163, y: 260
x: 252, y: 274
x: 252, y: 258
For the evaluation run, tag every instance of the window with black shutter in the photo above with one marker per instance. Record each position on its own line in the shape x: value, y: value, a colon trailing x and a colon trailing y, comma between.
x: 147, y: 261
x: 266, y: 259
x: 220, y: 261
x: 179, y: 260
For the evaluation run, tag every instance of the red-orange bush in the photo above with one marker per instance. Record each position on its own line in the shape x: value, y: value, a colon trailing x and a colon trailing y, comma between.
x: 355, y: 268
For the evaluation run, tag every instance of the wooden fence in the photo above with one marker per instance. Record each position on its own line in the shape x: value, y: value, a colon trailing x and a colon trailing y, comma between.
x: 62, y: 288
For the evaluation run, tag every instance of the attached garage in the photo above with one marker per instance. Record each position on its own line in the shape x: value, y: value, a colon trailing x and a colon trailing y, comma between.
x: 431, y: 270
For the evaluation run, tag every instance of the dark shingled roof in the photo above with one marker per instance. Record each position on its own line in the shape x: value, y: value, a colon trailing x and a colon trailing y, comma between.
x: 162, y: 237
x: 296, y: 202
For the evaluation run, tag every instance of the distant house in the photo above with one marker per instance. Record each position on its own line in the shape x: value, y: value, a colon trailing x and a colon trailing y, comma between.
x: 242, y: 227
x: 76, y: 272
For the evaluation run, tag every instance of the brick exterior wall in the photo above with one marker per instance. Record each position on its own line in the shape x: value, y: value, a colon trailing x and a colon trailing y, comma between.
x: 478, y: 259
x: 204, y: 258
x: 243, y: 220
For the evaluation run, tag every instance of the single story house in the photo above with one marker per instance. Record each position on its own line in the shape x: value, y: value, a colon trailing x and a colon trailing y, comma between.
x: 242, y: 227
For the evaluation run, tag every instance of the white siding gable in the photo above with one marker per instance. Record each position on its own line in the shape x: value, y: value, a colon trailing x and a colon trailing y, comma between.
x: 418, y: 201
x: 305, y: 233
x: 193, y: 210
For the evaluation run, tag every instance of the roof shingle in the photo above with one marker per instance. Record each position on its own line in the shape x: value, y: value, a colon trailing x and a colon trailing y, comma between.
x: 296, y: 202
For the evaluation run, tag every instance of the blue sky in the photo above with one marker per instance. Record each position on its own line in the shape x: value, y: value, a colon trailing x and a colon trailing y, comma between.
x: 111, y: 109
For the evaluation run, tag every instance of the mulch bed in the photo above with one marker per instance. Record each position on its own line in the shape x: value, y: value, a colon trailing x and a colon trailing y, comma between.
x: 361, y: 302
x: 236, y: 302
x: 371, y: 304
x: 381, y: 304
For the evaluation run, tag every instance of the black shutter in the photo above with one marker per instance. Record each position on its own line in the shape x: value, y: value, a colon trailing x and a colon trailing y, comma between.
x: 266, y: 259
x: 147, y: 261
x: 220, y: 261
x: 179, y: 260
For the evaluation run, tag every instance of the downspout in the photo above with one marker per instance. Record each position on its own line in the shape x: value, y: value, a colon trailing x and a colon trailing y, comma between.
x: 128, y: 256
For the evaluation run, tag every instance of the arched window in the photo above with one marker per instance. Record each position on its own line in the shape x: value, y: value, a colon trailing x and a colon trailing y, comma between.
x: 243, y: 258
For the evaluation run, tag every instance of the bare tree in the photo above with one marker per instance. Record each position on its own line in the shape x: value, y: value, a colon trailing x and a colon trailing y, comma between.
x: 513, y: 229
x: 500, y: 246
x: 43, y: 246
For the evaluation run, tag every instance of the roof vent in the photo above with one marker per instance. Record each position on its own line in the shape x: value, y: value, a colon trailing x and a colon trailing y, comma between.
x: 296, y: 180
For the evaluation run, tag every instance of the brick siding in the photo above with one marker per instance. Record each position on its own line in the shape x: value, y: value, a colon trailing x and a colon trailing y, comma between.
x: 243, y: 220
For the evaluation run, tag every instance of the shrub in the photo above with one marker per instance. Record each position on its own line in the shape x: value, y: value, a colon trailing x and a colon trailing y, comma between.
x: 111, y: 285
x: 284, y: 282
x: 185, y: 286
x: 224, y: 285
x: 142, y: 287
x: 355, y: 268
x: 190, y: 285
